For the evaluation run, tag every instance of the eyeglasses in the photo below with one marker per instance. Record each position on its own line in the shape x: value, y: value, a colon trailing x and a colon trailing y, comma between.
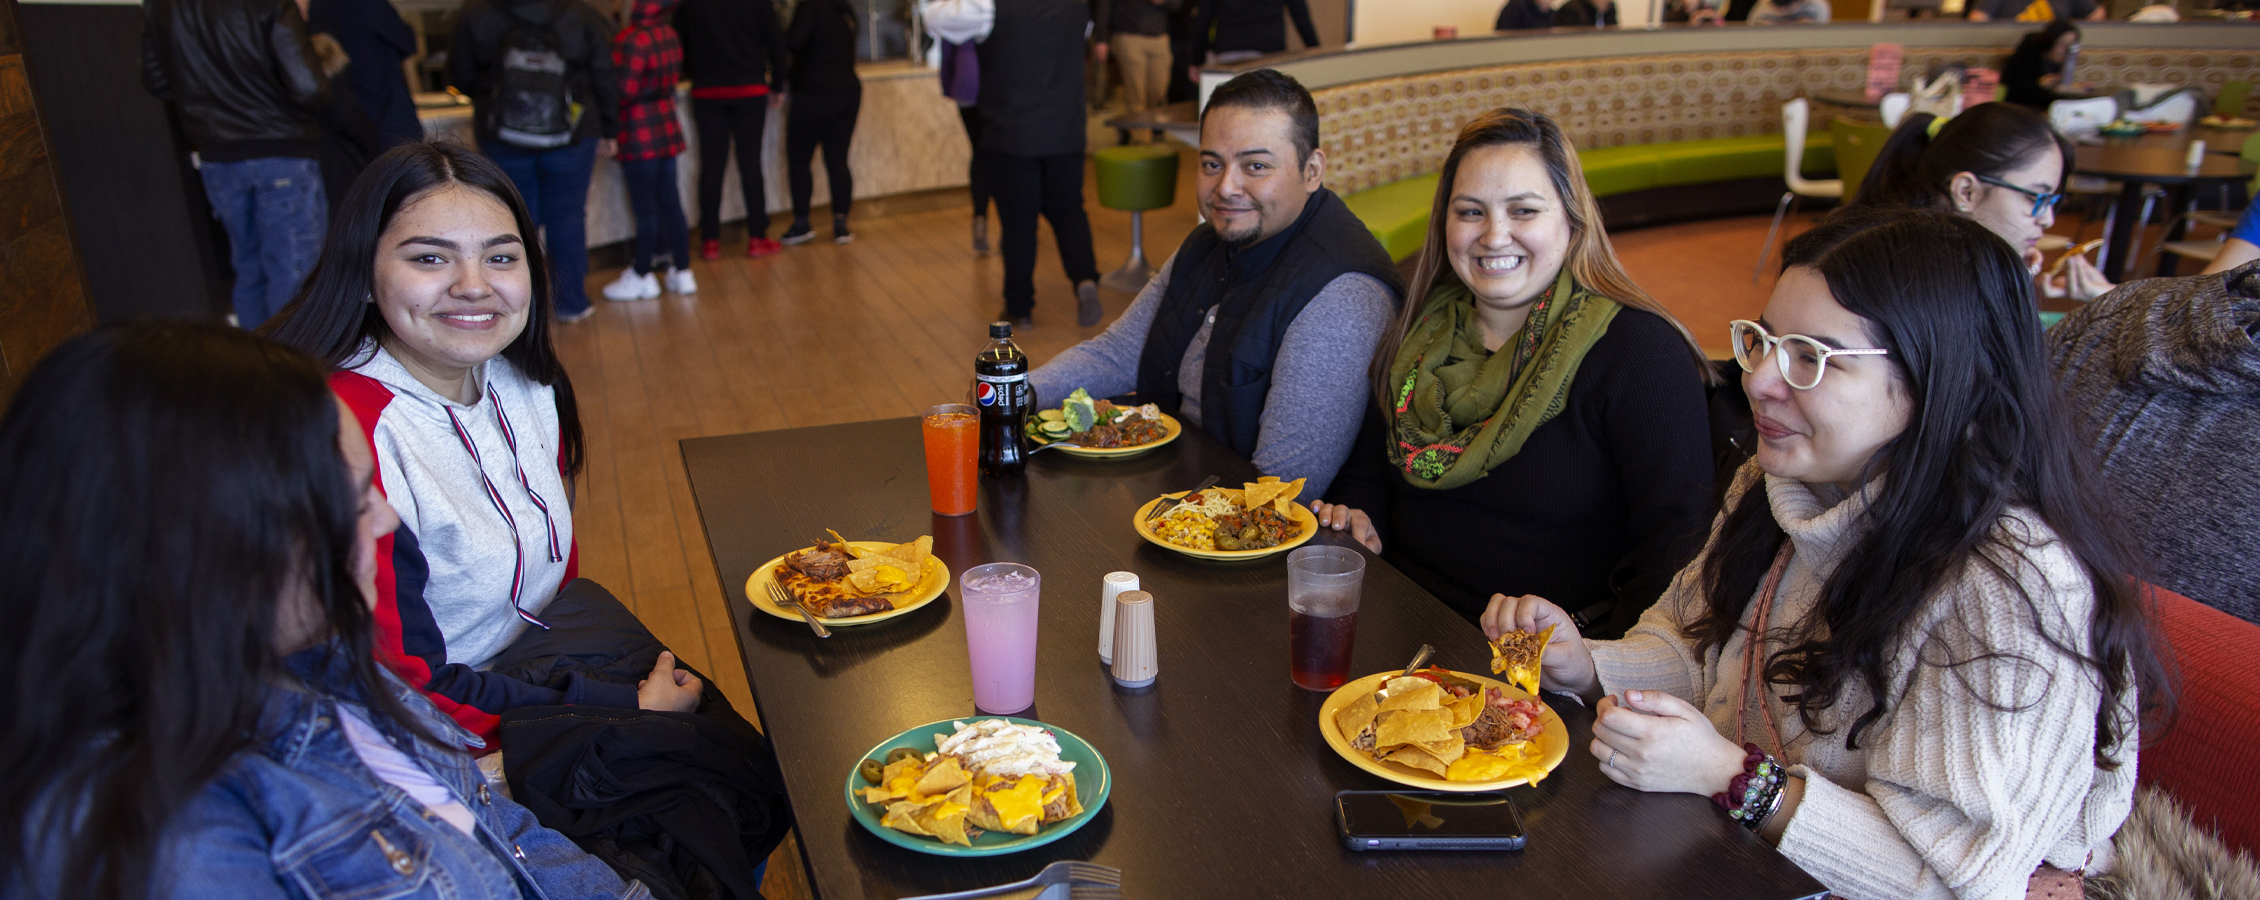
x: 1802, y: 362
x: 2040, y: 201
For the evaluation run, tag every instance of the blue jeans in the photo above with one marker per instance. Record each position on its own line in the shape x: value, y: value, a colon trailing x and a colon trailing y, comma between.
x: 555, y: 185
x: 275, y: 214
x: 657, y: 199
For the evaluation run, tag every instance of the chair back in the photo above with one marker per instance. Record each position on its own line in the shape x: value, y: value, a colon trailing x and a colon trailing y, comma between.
x: 1796, y: 117
x: 2230, y: 101
x: 2209, y: 758
x: 1857, y: 146
x: 2180, y: 106
x: 2082, y: 117
x: 1894, y: 108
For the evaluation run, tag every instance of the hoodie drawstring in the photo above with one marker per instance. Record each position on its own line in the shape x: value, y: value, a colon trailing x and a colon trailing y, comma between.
x: 510, y: 438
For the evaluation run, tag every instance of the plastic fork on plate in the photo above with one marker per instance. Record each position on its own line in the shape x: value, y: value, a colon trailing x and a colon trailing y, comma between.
x: 1066, y: 879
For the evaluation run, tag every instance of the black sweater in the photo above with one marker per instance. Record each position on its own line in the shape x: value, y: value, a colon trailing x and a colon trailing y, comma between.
x: 1250, y: 25
x: 730, y: 43
x: 1032, y: 79
x: 822, y: 42
x: 1605, y: 503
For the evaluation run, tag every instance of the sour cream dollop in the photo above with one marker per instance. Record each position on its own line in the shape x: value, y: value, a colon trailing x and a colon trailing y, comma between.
x: 1001, y: 748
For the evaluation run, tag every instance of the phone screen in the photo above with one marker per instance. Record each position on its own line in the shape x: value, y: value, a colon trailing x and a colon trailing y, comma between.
x: 1427, y: 814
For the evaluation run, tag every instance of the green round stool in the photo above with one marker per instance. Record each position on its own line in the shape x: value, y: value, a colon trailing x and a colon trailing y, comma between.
x: 1138, y: 177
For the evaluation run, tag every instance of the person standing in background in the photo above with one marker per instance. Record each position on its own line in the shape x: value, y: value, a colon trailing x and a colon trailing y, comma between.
x: 376, y: 39
x: 958, y: 26
x: 827, y: 95
x: 1586, y: 13
x: 1522, y: 15
x: 1790, y: 12
x: 2038, y: 10
x: 734, y: 55
x: 349, y: 139
x: 542, y: 127
x: 1136, y: 33
x: 1246, y: 29
x: 244, y: 79
x: 649, y: 56
x: 1032, y: 136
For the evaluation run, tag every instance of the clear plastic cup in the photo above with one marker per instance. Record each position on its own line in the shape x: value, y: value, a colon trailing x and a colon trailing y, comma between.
x: 1000, y: 634
x: 1324, y: 585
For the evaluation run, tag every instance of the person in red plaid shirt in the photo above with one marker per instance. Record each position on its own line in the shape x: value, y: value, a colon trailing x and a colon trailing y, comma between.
x: 649, y: 57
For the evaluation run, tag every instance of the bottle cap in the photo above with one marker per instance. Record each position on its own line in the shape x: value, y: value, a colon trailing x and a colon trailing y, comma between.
x: 1000, y: 329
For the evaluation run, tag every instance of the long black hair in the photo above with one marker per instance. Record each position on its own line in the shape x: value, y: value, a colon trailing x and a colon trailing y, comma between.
x: 167, y: 486
x: 1952, y: 303
x: 333, y: 318
x: 1993, y: 139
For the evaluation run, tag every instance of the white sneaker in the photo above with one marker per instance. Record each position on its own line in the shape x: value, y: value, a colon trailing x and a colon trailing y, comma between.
x: 681, y: 282
x: 632, y: 286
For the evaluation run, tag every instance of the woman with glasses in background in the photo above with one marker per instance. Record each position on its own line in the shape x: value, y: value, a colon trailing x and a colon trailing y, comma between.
x: 1909, y: 654
x: 2000, y: 164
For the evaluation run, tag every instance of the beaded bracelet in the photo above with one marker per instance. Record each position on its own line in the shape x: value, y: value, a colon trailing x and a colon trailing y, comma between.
x: 1753, y: 796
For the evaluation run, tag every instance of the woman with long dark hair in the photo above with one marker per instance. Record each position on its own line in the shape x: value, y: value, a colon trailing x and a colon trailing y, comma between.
x: 433, y: 301
x: 2000, y: 164
x: 194, y: 707
x: 1910, y: 654
x: 2036, y: 68
x: 1538, y: 422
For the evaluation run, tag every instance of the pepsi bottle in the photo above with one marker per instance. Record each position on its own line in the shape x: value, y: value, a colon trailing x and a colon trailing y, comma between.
x: 1002, y: 392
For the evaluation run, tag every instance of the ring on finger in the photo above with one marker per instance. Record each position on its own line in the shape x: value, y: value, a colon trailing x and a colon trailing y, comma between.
x: 1612, y: 759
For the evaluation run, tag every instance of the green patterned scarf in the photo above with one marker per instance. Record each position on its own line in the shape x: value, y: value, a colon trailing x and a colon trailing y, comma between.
x: 1461, y: 409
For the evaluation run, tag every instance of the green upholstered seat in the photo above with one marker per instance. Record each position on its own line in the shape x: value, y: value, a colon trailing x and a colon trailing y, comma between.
x: 1857, y: 146
x: 1397, y: 212
x: 1137, y: 177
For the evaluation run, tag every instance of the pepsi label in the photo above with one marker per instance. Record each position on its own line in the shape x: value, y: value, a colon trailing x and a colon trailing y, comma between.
x: 985, y: 394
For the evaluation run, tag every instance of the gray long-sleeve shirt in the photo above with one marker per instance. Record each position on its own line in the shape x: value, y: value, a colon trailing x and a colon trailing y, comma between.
x: 1318, y: 382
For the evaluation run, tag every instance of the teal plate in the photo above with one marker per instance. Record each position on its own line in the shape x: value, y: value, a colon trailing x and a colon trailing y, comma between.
x: 1092, y: 782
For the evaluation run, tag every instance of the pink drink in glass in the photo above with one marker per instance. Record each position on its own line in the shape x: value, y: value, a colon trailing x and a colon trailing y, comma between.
x: 1000, y: 634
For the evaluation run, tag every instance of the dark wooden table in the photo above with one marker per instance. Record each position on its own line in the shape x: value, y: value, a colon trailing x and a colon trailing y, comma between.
x: 1222, y: 785
x: 2160, y: 159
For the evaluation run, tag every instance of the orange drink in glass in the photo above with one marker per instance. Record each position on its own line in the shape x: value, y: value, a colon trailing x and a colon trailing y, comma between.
x: 953, y: 451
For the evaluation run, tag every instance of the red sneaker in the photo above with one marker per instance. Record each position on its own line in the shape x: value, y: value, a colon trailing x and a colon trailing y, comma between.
x: 759, y: 247
x: 710, y: 250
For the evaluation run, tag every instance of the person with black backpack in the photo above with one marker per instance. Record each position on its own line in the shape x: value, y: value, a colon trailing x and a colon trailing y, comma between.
x: 544, y: 98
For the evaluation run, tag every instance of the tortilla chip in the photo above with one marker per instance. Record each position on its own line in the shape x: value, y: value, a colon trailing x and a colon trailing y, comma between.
x: 1353, y: 719
x: 944, y: 820
x: 914, y: 552
x: 1425, y: 695
x: 1418, y: 759
x: 902, y: 816
x: 1446, y: 751
x: 882, y: 575
x: 943, y: 777
x: 1066, y: 805
x: 1255, y: 494
x: 1465, y: 710
x: 1519, y: 656
x: 1287, y: 494
x: 1406, y: 726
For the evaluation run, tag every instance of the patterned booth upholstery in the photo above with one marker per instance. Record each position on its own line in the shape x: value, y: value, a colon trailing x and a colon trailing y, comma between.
x: 1651, y: 121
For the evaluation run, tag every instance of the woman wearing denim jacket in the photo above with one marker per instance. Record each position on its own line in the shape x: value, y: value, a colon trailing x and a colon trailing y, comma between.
x: 195, y: 710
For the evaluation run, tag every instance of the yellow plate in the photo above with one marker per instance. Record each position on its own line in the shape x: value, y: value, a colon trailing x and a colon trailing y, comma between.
x: 1553, y: 737
x: 1170, y: 430
x: 1302, y: 515
x: 932, y: 581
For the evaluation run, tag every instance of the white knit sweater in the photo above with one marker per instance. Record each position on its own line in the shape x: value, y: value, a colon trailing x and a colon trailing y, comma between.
x: 1946, y: 795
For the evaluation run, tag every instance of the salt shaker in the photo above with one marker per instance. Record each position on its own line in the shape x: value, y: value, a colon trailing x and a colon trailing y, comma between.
x: 2196, y: 155
x: 1135, y: 659
x: 1112, y: 587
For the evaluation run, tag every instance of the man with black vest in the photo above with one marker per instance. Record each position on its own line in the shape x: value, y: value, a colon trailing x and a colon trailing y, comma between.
x: 1259, y: 329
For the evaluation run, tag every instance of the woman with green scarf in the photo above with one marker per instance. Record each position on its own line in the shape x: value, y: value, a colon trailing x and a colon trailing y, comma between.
x: 1539, y: 423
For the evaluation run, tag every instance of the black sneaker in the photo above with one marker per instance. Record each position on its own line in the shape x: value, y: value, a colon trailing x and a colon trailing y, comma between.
x: 840, y: 233
x: 800, y: 233
x: 1087, y: 310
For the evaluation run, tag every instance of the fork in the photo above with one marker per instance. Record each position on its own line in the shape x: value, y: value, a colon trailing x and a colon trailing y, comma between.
x: 1170, y: 503
x: 777, y: 596
x: 1084, y: 881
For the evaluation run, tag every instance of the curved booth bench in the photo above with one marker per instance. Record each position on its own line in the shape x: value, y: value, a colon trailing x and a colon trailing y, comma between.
x: 1672, y: 123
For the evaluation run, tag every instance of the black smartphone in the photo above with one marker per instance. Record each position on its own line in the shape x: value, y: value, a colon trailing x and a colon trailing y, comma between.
x: 1428, y: 820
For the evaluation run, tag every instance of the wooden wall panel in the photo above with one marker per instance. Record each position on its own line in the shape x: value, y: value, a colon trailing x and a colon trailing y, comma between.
x: 42, y: 290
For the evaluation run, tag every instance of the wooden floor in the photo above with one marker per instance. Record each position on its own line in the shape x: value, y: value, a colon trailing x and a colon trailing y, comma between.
x: 882, y: 327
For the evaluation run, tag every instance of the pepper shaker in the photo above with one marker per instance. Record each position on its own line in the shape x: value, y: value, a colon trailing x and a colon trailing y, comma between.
x: 1135, y: 659
x: 1112, y: 587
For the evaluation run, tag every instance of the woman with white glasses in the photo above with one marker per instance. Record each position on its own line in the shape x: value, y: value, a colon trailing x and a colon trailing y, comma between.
x: 1997, y: 163
x: 1909, y: 653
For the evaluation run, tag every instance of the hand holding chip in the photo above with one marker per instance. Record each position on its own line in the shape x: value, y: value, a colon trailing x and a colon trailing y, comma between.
x: 1566, y: 665
x: 1653, y: 741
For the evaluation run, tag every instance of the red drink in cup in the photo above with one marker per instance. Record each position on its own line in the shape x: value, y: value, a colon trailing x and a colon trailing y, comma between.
x: 953, y: 453
x: 1324, y: 585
